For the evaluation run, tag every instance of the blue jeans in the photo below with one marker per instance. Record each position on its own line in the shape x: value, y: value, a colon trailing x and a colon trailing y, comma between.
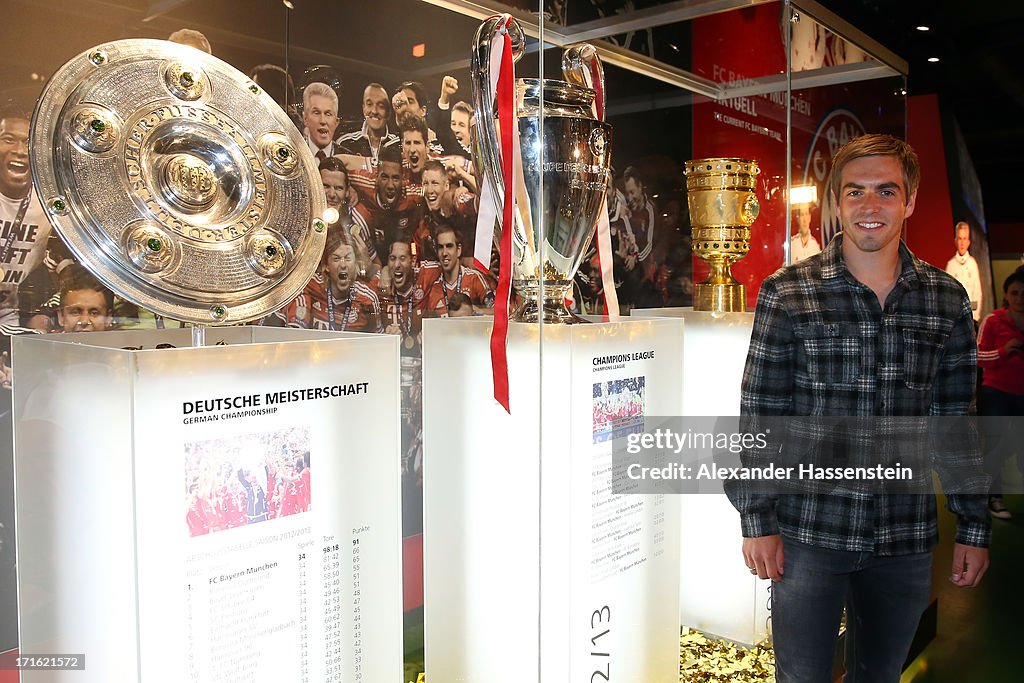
x: 884, y: 599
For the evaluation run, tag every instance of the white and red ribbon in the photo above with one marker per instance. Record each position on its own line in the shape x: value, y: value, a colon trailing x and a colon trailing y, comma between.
x: 604, y: 236
x: 604, y: 260
x: 501, y: 81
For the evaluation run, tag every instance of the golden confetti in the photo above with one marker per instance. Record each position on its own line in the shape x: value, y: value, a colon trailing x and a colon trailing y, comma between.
x: 704, y: 660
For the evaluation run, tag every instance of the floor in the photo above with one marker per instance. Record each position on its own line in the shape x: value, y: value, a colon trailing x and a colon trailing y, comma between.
x: 980, y: 630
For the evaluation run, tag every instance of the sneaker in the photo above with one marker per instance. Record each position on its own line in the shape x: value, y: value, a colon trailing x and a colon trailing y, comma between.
x: 997, y: 509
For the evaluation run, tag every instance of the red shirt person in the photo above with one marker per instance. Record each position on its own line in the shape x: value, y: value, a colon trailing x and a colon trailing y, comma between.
x: 384, y: 211
x: 441, y: 279
x: 403, y: 295
x: 335, y: 298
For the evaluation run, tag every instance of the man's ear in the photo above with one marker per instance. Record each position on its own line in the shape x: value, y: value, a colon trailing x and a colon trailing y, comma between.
x: 911, y: 204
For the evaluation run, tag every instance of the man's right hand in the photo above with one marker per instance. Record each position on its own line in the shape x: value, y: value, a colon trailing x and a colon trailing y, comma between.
x: 764, y: 556
x: 385, y: 278
x: 449, y: 86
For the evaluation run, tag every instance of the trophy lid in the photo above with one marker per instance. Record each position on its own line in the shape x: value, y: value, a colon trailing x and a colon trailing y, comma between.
x: 178, y: 182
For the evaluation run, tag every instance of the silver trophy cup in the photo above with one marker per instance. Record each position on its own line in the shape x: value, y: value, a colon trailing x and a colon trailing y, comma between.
x: 566, y: 157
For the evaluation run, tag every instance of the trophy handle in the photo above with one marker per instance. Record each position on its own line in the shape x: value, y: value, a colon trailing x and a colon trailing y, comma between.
x: 581, y: 66
x: 486, y: 152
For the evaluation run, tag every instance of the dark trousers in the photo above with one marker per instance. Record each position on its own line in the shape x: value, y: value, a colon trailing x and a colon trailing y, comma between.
x: 884, y: 599
x: 1002, y: 431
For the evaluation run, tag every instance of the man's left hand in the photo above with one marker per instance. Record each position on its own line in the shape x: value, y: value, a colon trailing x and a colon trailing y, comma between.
x: 969, y: 565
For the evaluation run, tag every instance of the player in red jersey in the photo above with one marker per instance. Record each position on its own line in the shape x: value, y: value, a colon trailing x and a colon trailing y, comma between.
x: 334, y: 177
x: 198, y: 515
x: 335, y: 298
x: 442, y: 278
x: 444, y: 205
x: 403, y: 296
x: 413, y: 132
x: 388, y: 213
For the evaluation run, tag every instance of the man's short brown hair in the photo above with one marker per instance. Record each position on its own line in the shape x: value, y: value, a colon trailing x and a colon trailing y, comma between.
x: 75, y: 277
x: 877, y: 145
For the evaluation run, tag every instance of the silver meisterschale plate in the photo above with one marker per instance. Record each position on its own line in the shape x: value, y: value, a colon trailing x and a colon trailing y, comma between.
x: 178, y: 182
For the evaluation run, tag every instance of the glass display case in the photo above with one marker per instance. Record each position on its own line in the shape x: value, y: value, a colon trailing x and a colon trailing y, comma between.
x: 383, y: 94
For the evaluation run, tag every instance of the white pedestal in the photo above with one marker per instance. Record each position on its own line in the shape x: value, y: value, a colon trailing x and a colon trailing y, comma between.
x: 138, y: 544
x: 717, y: 594
x: 529, y: 557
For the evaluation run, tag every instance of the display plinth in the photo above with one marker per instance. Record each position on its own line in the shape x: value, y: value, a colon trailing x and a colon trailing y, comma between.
x: 717, y: 594
x: 529, y: 557
x: 221, y: 513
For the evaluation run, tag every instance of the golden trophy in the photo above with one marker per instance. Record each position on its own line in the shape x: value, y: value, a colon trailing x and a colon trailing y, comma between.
x: 723, y: 206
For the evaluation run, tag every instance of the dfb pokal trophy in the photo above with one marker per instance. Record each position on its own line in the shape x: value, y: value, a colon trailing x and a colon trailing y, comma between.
x: 566, y: 159
x: 723, y: 206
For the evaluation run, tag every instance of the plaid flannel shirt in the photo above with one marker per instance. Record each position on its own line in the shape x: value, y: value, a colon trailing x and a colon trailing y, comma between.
x: 822, y: 346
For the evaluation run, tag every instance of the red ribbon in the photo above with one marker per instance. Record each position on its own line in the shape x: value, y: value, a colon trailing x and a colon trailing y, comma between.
x: 499, y: 332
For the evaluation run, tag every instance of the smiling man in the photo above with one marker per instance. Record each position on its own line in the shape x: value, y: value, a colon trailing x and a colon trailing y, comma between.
x: 862, y: 329
x: 964, y: 268
x: 443, y: 206
x: 461, y: 125
x: 447, y: 276
x: 25, y: 230
x: 369, y: 140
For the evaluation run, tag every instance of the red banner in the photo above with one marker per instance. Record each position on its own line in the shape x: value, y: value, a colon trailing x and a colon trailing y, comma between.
x: 739, y: 48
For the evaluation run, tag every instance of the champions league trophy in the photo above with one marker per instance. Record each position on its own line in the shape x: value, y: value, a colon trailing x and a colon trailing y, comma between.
x: 178, y: 182
x: 566, y: 157
x: 723, y: 206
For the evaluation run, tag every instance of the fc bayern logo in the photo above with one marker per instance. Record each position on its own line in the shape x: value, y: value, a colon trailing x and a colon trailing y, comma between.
x: 837, y: 128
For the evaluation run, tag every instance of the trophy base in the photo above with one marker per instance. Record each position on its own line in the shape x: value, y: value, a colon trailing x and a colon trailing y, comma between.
x: 552, y: 312
x: 552, y: 309
x: 720, y: 298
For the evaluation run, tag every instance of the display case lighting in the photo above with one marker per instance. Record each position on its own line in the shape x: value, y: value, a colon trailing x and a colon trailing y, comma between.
x: 803, y: 194
x: 922, y: 27
x: 933, y: 59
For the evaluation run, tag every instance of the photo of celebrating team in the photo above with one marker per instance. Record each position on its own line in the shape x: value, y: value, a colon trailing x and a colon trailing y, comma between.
x: 618, y: 408
x: 241, y: 480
